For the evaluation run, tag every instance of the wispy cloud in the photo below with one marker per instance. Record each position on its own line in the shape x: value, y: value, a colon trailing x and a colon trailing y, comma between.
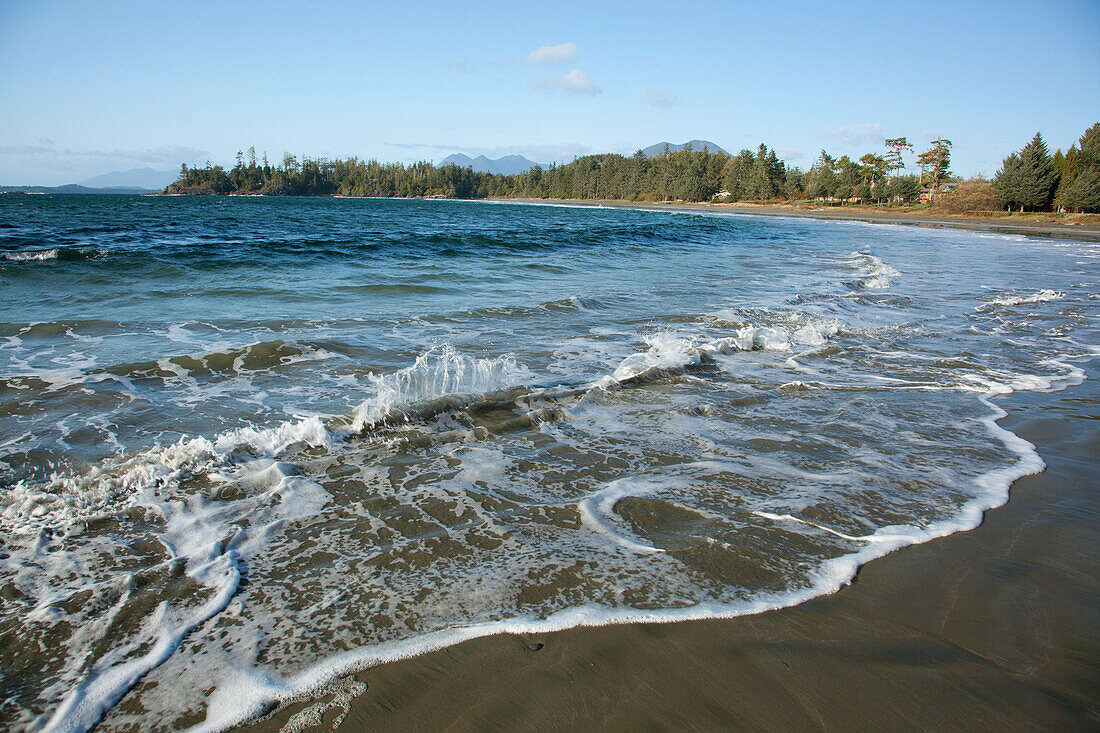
x: 575, y: 81
x: 24, y: 150
x: 660, y: 99
x: 553, y: 54
x: 853, y: 135
x: 174, y: 154
x: 54, y: 164
x: 790, y: 153
x: 460, y: 66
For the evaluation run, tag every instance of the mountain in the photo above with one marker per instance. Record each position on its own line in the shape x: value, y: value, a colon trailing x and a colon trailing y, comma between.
x: 509, y: 165
x: 144, y: 178
x: 654, y: 150
x: 70, y: 188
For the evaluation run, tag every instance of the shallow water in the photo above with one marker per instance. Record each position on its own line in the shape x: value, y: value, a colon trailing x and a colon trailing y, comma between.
x: 247, y: 445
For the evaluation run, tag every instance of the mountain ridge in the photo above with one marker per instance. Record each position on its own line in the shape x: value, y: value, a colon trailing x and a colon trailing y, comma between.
x: 144, y: 178
x: 508, y: 165
x: 70, y: 188
x: 658, y: 148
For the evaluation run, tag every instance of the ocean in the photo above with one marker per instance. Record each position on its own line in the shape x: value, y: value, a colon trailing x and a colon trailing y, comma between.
x: 251, y: 445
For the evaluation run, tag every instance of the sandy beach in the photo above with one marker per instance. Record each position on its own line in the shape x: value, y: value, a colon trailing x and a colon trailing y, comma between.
x: 992, y: 629
x: 1037, y: 225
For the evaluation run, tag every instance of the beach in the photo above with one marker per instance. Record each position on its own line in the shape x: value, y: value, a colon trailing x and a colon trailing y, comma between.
x: 1035, y: 225
x: 991, y: 629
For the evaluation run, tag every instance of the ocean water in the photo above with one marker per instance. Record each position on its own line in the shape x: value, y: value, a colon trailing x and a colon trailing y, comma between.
x: 248, y: 446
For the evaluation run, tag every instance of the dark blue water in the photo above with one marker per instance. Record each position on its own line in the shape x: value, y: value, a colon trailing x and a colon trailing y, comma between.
x: 250, y: 444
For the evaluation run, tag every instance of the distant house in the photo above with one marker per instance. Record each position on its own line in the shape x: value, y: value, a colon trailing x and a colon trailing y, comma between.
x: 723, y: 194
x: 928, y: 193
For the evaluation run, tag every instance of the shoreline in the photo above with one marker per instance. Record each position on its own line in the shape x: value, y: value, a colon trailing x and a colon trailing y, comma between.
x: 987, y: 627
x: 1088, y: 231
x: 1084, y: 231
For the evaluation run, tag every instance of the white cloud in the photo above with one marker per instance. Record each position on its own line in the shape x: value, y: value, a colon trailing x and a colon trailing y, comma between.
x: 790, y: 153
x: 461, y: 67
x: 853, y: 135
x: 553, y: 54
x: 575, y: 81
x: 659, y: 99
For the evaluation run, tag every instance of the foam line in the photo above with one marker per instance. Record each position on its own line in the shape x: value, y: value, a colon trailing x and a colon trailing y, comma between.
x: 598, y: 512
x: 250, y: 694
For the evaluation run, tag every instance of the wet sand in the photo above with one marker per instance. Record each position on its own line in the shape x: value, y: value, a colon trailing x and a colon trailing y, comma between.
x: 1088, y: 231
x: 996, y: 628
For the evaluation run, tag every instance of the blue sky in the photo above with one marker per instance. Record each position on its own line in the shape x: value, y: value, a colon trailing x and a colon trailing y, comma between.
x: 89, y: 88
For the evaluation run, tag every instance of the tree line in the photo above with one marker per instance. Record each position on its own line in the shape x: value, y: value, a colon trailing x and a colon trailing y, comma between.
x: 1031, y: 178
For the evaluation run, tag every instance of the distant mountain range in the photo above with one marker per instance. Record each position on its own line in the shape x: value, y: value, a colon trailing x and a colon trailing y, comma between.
x: 509, y: 165
x: 70, y: 188
x: 137, y: 180
x: 654, y: 150
x: 144, y: 178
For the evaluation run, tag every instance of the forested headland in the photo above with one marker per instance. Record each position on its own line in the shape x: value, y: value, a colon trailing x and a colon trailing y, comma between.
x: 1030, y: 179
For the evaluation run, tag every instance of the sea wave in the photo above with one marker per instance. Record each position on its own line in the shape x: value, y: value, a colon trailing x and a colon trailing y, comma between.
x: 873, y: 272
x: 59, y: 254
x: 1007, y: 301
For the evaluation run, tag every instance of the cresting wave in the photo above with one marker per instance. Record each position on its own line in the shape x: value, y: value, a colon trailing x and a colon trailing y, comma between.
x: 440, y: 379
x: 32, y: 256
x: 55, y: 254
x: 1042, y: 296
x: 875, y: 274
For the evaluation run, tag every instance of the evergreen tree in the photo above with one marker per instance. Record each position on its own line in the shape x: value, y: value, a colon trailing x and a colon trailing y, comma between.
x: 903, y: 188
x: 873, y: 167
x: 1007, y: 182
x: 1084, y: 192
x: 895, y: 162
x: 1037, y: 178
x: 794, y: 185
x: 848, y: 178
x: 936, y: 163
x: 1090, y: 147
x: 823, y: 179
x: 760, y: 185
x: 1067, y: 167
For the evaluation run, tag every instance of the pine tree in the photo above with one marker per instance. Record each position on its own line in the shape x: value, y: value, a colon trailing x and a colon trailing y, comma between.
x: 895, y: 162
x: 1067, y: 167
x: 1090, y: 147
x: 1037, y: 178
x: 1007, y: 182
x: 823, y: 178
x: 936, y: 163
x: 1084, y: 192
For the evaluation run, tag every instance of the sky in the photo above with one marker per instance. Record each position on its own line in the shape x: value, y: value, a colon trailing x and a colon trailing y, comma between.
x: 90, y: 88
